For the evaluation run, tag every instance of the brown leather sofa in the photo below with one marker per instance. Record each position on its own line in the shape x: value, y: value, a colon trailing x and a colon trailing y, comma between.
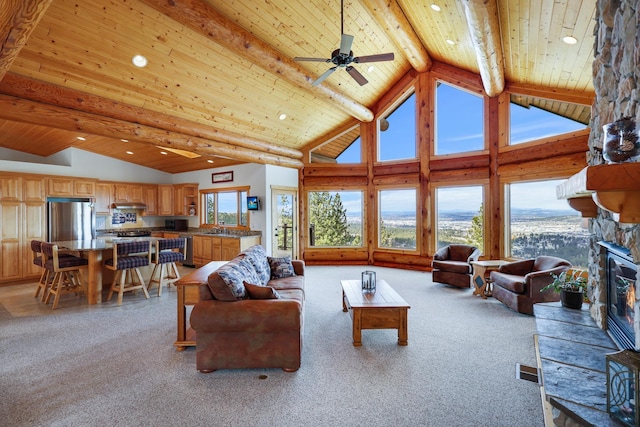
x: 452, y: 265
x: 235, y: 330
x: 518, y: 284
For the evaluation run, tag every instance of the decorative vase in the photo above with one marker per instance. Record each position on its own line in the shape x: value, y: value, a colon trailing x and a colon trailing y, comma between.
x: 621, y: 142
x: 572, y: 299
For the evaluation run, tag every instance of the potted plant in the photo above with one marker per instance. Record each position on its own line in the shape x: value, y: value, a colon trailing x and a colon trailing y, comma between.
x: 571, y: 285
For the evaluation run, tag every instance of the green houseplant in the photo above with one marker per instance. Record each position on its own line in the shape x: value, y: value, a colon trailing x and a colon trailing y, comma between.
x: 571, y: 285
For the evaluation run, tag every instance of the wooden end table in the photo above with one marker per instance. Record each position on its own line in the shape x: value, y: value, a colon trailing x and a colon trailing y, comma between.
x: 188, y: 295
x: 382, y: 309
x: 481, y: 271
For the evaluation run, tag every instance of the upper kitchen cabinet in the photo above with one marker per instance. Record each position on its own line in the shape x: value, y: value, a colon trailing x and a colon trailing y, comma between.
x: 10, y: 188
x: 128, y: 193
x: 104, y: 198
x: 34, y: 189
x: 165, y: 199
x: 150, y: 198
x: 185, y: 198
x: 68, y: 187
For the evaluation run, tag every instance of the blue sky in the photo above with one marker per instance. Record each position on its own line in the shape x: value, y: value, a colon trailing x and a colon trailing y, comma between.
x: 457, y: 132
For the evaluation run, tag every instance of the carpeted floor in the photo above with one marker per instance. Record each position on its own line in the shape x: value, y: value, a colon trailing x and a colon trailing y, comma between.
x: 109, y: 365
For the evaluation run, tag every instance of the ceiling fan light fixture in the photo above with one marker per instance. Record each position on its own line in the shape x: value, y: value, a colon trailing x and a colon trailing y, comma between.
x: 139, y: 61
x: 569, y: 40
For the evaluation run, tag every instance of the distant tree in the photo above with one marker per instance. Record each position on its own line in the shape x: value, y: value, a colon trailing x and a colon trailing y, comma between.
x: 285, y: 214
x: 329, y: 219
x: 386, y: 241
x: 475, y: 234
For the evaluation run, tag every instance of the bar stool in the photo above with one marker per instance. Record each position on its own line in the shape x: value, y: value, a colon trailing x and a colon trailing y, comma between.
x: 67, y: 275
x: 127, y: 258
x: 38, y: 259
x: 168, y: 252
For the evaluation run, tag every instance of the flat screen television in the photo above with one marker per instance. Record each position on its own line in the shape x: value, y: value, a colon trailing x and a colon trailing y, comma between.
x: 253, y: 203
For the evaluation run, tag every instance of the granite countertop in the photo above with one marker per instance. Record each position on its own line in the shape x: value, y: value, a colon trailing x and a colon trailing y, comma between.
x: 572, y: 350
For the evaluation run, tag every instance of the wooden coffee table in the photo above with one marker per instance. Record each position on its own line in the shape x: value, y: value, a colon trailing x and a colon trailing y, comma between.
x: 382, y: 309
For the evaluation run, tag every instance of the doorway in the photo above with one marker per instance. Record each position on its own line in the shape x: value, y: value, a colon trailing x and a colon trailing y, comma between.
x: 284, y: 214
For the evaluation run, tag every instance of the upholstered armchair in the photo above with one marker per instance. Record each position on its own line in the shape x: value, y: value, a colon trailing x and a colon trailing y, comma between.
x: 518, y: 284
x: 452, y: 265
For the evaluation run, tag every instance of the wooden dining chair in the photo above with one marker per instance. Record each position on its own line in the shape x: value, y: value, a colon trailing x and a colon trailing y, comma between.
x: 167, y: 253
x: 38, y: 259
x: 127, y: 259
x: 66, y: 271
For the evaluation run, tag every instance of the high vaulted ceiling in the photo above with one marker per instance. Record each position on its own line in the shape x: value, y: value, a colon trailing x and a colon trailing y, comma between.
x: 221, y: 73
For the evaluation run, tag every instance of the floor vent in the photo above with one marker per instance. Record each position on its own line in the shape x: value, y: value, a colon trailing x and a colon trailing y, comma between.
x: 529, y: 373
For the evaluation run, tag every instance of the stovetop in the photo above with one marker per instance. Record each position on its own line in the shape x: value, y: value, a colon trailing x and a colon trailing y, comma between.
x: 133, y: 233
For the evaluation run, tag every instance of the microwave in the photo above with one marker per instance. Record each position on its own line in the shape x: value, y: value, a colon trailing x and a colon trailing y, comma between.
x: 176, y: 224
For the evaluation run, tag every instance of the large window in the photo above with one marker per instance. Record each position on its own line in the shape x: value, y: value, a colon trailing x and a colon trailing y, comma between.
x: 459, y: 121
x: 397, y: 219
x: 460, y: 216
x: 225, y: 207
x: 397, y: 132
x: 335, y: 218
x: 535, y: 118
x: 540, y: 224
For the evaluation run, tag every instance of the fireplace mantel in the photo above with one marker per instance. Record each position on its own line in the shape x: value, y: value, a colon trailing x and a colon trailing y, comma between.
x: 614, y: 187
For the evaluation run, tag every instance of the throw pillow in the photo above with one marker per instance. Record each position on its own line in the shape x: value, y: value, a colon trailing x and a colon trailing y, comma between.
x: 261, y: 292
x: 233, y: 277
x: 281, y: 267
x: 258, y: 258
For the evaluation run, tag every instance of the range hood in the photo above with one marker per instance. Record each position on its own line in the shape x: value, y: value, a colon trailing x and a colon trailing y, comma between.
x: 129, y: 205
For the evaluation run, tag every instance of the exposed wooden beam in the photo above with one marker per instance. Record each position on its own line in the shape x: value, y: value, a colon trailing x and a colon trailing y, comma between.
x: 18, y: 18
x: 200, y: 17
x: 35, y: 90
x: 563, y: 95
x: 484, y: 28
x: 63, y: 118
x: 390, y: 16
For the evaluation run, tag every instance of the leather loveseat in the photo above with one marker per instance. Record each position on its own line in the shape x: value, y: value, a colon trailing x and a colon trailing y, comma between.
x: 518, y: 284
x: 240, y: 322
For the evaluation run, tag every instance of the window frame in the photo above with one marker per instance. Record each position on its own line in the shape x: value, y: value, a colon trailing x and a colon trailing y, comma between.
x: 241, y: 193
x: 363, y: 214
x: 399, y: 101
x: 484, y: 186
x: 378, y: 217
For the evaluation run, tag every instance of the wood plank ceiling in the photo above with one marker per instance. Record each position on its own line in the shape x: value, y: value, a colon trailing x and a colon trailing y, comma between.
x: 221, y: 73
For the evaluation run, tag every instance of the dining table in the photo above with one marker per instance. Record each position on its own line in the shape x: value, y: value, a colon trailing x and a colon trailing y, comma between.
x: 93, y: 251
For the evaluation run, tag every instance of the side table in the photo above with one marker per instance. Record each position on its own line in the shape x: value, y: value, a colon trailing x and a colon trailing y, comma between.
x: 188, y: 295
x: 481, y: 271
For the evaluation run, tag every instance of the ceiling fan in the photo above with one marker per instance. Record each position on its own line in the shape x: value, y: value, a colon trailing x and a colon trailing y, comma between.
x: 343, y: 57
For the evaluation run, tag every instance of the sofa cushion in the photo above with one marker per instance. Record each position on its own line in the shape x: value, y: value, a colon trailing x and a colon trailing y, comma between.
x: 462, y: 267
x: 258, y: 258
x: 281, y: 267
x: 260, y: 292
x: 231, y: 287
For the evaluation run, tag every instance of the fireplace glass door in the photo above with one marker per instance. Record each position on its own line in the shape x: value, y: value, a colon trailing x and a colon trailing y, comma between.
x: 621, y: 279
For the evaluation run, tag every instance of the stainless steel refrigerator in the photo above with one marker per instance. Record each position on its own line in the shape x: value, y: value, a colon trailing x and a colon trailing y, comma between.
x: 70, y: 219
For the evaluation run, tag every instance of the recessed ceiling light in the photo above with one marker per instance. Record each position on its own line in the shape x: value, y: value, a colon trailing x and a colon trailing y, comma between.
x: 569, y: 40
x: 129, y: 152
x: 370, y: 69
x: 124, y: 140
x: 209, y: 161
x: 81, y: 138
x: 451, y: 42
x: 435, y: 7
x: 282, y: 116
x: 164, y: 153
x: 139, y: 61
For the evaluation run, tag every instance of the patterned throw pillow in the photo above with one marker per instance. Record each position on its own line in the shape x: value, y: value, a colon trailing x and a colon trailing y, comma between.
x: 258, y: 258
x: 261, y: 292
x: 281, y: 267
x: 233, y: 276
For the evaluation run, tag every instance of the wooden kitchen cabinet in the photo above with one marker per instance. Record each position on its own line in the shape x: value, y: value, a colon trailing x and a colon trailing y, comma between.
x: 150, y: 198
x: 69, y: 187
x: 128, y: 193
x: 10, y: 240
x: 229, y: 248
x: 104, y: 195
x: 11, y: 188
x: 185, y: 199
x: 217, y: 248
x: 165, y: 199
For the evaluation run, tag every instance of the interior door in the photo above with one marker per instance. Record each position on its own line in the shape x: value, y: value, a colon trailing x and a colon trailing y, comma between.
x: 284, y: 214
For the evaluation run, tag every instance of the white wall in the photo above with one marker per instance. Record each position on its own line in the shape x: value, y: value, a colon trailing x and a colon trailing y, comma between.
x: 259, y: 177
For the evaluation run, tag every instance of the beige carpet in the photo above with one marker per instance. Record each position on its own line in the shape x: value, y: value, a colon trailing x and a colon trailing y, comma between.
x: 110, y: 365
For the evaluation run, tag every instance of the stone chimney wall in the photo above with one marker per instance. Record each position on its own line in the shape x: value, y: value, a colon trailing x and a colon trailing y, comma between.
x: 616, y: 71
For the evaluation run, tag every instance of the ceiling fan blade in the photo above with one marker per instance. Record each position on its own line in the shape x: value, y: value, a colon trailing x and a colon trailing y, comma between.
x: 374, y: 58
x: 323, y: 76
x: 357, y: 76
x: 345, y: 44
x: 304, y: 58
